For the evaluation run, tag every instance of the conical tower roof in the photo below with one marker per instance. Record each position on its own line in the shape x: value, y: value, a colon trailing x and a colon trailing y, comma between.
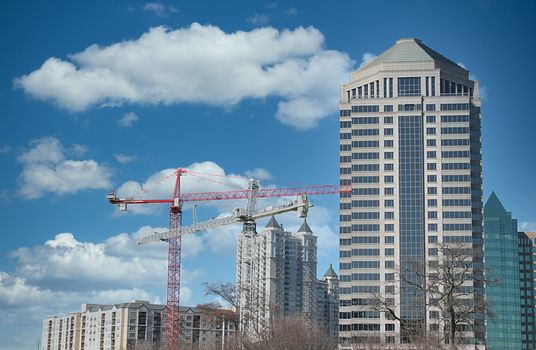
x: 273, y: 224
x: 305, y: 227
x: 330, y: 273
x: 494, y: 206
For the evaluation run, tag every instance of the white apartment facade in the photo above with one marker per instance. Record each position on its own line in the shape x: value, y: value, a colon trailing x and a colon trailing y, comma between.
x: 276, y: 275
x: 134, y: 325
x: 410, y: 147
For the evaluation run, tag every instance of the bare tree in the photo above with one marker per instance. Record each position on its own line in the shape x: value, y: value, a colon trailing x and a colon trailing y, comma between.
x: 279, y: 332
x: 449, y: 288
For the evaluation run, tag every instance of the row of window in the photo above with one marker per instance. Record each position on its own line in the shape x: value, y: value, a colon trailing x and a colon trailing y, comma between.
x: 359, y: 327
x: 359, y: 314
x: 360, y: 265
x: 359, y: 289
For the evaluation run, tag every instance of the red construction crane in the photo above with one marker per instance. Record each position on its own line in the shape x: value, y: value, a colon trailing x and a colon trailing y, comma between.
x: 248, y: 215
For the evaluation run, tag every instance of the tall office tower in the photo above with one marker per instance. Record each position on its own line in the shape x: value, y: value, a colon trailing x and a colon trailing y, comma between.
x: 527, y: 249
x: 276, y: 275
x: 410, y: 148
x: 502, y: 263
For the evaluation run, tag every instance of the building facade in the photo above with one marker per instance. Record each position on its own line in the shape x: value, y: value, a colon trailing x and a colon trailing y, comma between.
x: 503, y: 265
x: 410, y: 147
x: 328, y: 304
x: 527, y: 249
x: 134, y: 325
x: 276, y: 276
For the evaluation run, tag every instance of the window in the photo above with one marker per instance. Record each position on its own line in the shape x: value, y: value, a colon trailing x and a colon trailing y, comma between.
x: 454, y: 130
x: 388, y: 108
x: 366, y: 155
x: 432, y: 251
x: 454, y: 106
x: 388, y: 179
x: 344, y: 112
x: 431, y: 178
x: 365, y: 167
x: 391, y: 87
x: 388, y: 131
x: 389, y: 264
x: 433, y: 86
x: 409, y: 86
x: 455, y: 118
x: 430, y: 118
x: 388, y: 143
x: 432, y: 239
x: 389, y: 215
x: 388, y: 120
x: 432, y: 215
x: 390, y: 276
x: 389, y: 191
x: 431, y: 154
x: 365, y: 132
x: 389, y: 203
x: 369, y: 191
x: 430, y: 142
x: 389, y: 251
x: 365, y: 120
x: 389, y: 227
x: 388, y: 155
x: 430, y: 107
x: 431, y: 166
x: 432, y: 190
x: 388, y: 167
x: 430, y: 131
x: 432, y: 227
x: 432, y: 202
x: 389, y: 289
x: 366, y: 109
x: 345, y: 147
x: 389, y: 239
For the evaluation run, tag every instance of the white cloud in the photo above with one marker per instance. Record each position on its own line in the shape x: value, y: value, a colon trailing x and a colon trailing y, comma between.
x: 527, y: 226
x: 366, y: 58
x: 259, y: 19
x: 259, y: 174
x: 128, y: 120
x: 45, y: 169
x: 66, y: 263
x: 167, y: 66
x: 160, y: 9
x: 5, y: 149
x: 292, y: 11
x: 124, y: 158
x: 79, y: 150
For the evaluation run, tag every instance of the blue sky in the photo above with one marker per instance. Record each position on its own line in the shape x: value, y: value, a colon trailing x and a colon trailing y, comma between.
x: 250, y: 89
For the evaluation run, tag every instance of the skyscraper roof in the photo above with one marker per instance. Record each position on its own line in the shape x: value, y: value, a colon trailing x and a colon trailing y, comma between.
x: 305, y: 227
x: 494, y: 206
x: 330, y: 272
x: 273, y: 223
x: 410, y: 50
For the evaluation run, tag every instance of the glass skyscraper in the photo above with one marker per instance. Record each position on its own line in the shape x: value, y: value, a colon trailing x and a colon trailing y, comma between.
x: 410, y: 147
x: 502, y: 264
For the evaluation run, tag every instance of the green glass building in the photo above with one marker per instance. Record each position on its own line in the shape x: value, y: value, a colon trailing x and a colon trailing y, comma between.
x: 502, y: 263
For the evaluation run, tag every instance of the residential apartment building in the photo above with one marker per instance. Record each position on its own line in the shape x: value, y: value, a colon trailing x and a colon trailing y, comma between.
x: 328, y: 304
x: 276, y: 276
x: 134, y: 325
x: 410, y: 147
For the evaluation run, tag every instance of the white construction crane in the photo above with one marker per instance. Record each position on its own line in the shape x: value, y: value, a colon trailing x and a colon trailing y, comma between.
x: 247, y: 216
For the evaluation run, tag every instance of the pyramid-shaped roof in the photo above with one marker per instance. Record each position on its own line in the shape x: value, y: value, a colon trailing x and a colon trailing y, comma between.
x: 494, y: 206
x: 409, y: 50
x: 330, y: 273
x: 305, y: 227
x: 273, y: 224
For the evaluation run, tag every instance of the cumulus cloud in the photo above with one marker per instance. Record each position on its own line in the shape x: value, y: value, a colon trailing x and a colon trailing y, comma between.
x: 79, y: 150
x: 46, y: 169
x: 128, y: 120
x: 259, y: 174
x: 366, y: 58
x: 159, y: 9
x: 124, y: 158
x: 166, y: 66
x: 5, y: 149
x: 67, y: 263
x: 527, y: 226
